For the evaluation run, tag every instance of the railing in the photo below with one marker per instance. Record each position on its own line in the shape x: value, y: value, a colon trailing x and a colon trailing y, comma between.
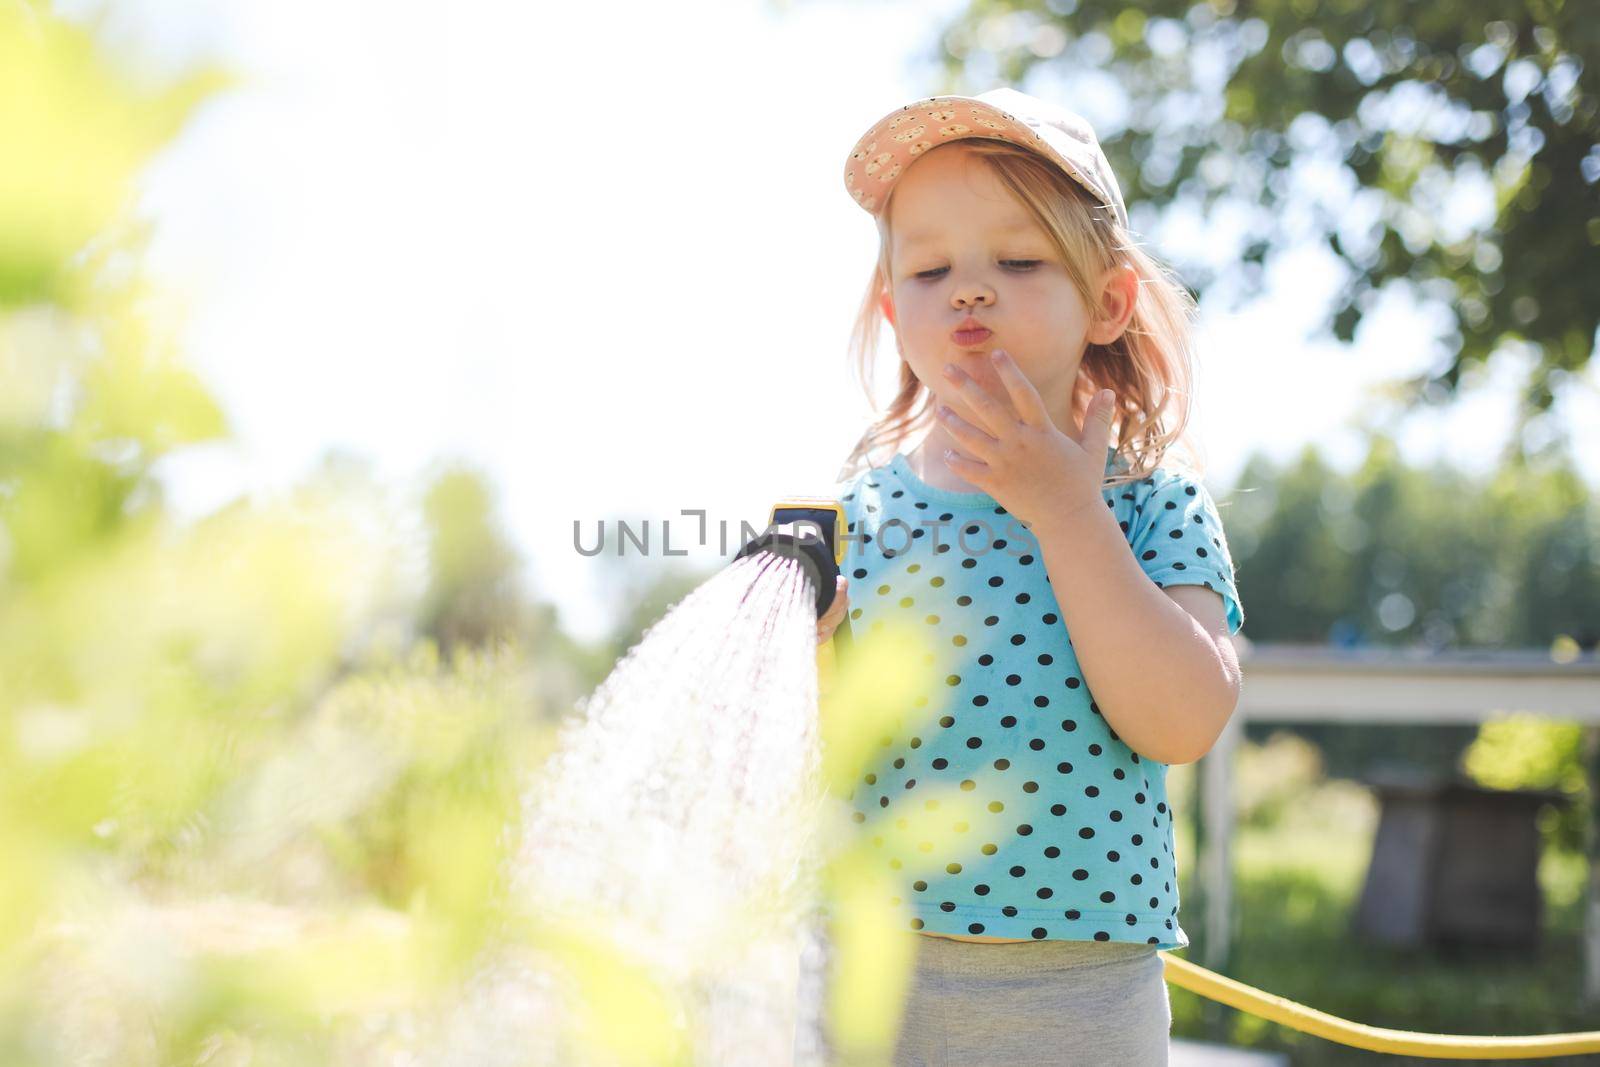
x: 1317, y: 683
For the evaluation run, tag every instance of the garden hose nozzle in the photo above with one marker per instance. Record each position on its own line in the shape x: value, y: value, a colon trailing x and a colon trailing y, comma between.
x: 811, y: 530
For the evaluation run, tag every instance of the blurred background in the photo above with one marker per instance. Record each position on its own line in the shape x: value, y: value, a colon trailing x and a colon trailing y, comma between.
x: 329, y: 332
x: 413, y: 231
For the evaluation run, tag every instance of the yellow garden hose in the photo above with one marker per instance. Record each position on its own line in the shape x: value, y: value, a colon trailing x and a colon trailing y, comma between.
x: 812, y: 531
x: 1277, y: 1009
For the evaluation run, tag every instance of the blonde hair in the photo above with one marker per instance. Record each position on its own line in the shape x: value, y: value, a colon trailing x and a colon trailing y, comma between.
x: 1150, y: 366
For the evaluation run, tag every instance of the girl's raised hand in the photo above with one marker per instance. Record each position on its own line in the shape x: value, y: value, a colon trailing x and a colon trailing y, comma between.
x: 835, y: 614
x: 1018, y: 456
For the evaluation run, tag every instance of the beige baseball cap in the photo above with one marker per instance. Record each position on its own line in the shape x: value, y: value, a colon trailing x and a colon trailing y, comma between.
x: 1065, y: 138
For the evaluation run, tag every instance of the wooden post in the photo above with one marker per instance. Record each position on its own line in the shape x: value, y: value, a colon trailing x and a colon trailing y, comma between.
x: 1214, y: 847
x: 1216, y: 862
x: 1591, y: 897
x: 1195, y: 903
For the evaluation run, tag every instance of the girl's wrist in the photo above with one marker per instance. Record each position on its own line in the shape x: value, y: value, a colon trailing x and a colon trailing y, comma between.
x: 1067, y: 518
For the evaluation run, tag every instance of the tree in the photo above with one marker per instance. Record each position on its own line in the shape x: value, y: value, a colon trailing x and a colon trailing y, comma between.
x: 473, y: 595
x: 1406, y: 105
x: 1402, y: 556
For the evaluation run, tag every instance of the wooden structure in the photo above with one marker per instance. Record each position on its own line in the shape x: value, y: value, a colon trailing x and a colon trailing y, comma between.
x: 1453, y: 864
x: 1366, y: 686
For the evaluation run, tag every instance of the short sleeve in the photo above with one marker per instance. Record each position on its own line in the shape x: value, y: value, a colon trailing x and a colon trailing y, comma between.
x: 1178, y: 540
x: 844, y: 495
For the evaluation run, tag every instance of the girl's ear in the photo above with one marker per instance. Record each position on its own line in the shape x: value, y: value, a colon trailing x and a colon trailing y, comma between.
x: 1118, y: 293
x: 887, y: 304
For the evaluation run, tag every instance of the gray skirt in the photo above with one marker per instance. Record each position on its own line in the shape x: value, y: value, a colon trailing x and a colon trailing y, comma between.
x: 1038, y: 1003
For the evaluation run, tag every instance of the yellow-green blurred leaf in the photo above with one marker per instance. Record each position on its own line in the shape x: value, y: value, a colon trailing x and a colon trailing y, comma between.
x: 74, y: 131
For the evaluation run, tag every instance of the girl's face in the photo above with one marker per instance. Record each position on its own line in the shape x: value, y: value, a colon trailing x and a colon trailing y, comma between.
x: 963, y: 247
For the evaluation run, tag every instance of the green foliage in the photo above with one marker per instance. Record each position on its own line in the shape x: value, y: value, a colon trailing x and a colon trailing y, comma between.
x: 245, y: 818
x: 473, y: 597
x: 1405, y: 104
x: 1527, y: 752
x: 73, y: 131
x: 1394, y: 555
x: 234, y: 818
x: 1522, y: 751
x: 255, y: 804
x: 1297, y: 879
x: 1397, y: 556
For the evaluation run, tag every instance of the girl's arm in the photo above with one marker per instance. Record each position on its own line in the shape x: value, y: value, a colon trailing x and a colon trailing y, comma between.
x: 1160, y: 678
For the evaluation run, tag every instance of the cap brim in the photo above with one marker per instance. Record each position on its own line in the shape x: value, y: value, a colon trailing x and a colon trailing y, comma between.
x: 894, y: 142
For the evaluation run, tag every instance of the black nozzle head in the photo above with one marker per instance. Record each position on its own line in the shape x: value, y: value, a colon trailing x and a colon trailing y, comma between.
x: 801, y: 541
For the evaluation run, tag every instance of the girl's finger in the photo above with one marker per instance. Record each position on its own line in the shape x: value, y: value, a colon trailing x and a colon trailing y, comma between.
x: 994, y: 416
x: 841, y: 601
x: 973, y: 439
x: 1097, y: 418
x: 1024, y: 397
x: 970, y: 469
x: 830, y: 622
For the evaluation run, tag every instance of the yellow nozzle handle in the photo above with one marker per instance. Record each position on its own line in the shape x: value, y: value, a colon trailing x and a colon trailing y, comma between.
x: 827, y: 667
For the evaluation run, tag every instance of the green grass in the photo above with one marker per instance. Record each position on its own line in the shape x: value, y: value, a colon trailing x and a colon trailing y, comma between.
x: 1297, y: 878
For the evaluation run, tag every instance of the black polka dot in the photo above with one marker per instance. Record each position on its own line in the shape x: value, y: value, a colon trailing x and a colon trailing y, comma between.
x: 997, y: 638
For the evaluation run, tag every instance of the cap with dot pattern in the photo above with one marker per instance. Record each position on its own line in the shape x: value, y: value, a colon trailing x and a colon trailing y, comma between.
x: 890, y: 145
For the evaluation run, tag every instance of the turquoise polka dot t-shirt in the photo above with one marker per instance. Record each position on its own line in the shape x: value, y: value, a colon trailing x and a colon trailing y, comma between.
x: 1076, y: 837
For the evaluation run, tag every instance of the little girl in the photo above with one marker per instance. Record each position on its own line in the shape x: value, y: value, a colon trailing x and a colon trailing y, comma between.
x: 1074, y: 576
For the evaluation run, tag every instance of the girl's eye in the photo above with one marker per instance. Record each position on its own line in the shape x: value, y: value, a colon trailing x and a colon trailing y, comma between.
x: 1017, y: 264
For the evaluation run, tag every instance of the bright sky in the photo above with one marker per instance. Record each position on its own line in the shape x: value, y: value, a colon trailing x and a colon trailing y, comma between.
x: 605, y: 253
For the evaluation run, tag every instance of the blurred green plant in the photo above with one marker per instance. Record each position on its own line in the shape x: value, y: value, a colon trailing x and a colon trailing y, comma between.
x: 1299, y: 878
x: 1527, y: 752
x: 246, y: 813
x: 204, y: 841
x: 1523, y: 751
x: 74, y: 129
x: 472, y: 596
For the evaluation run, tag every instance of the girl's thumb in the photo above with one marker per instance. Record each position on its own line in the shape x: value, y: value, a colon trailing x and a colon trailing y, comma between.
x: 1101, y: 409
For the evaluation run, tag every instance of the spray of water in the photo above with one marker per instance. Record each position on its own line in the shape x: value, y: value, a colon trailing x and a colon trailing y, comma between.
x: 672, y: 831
